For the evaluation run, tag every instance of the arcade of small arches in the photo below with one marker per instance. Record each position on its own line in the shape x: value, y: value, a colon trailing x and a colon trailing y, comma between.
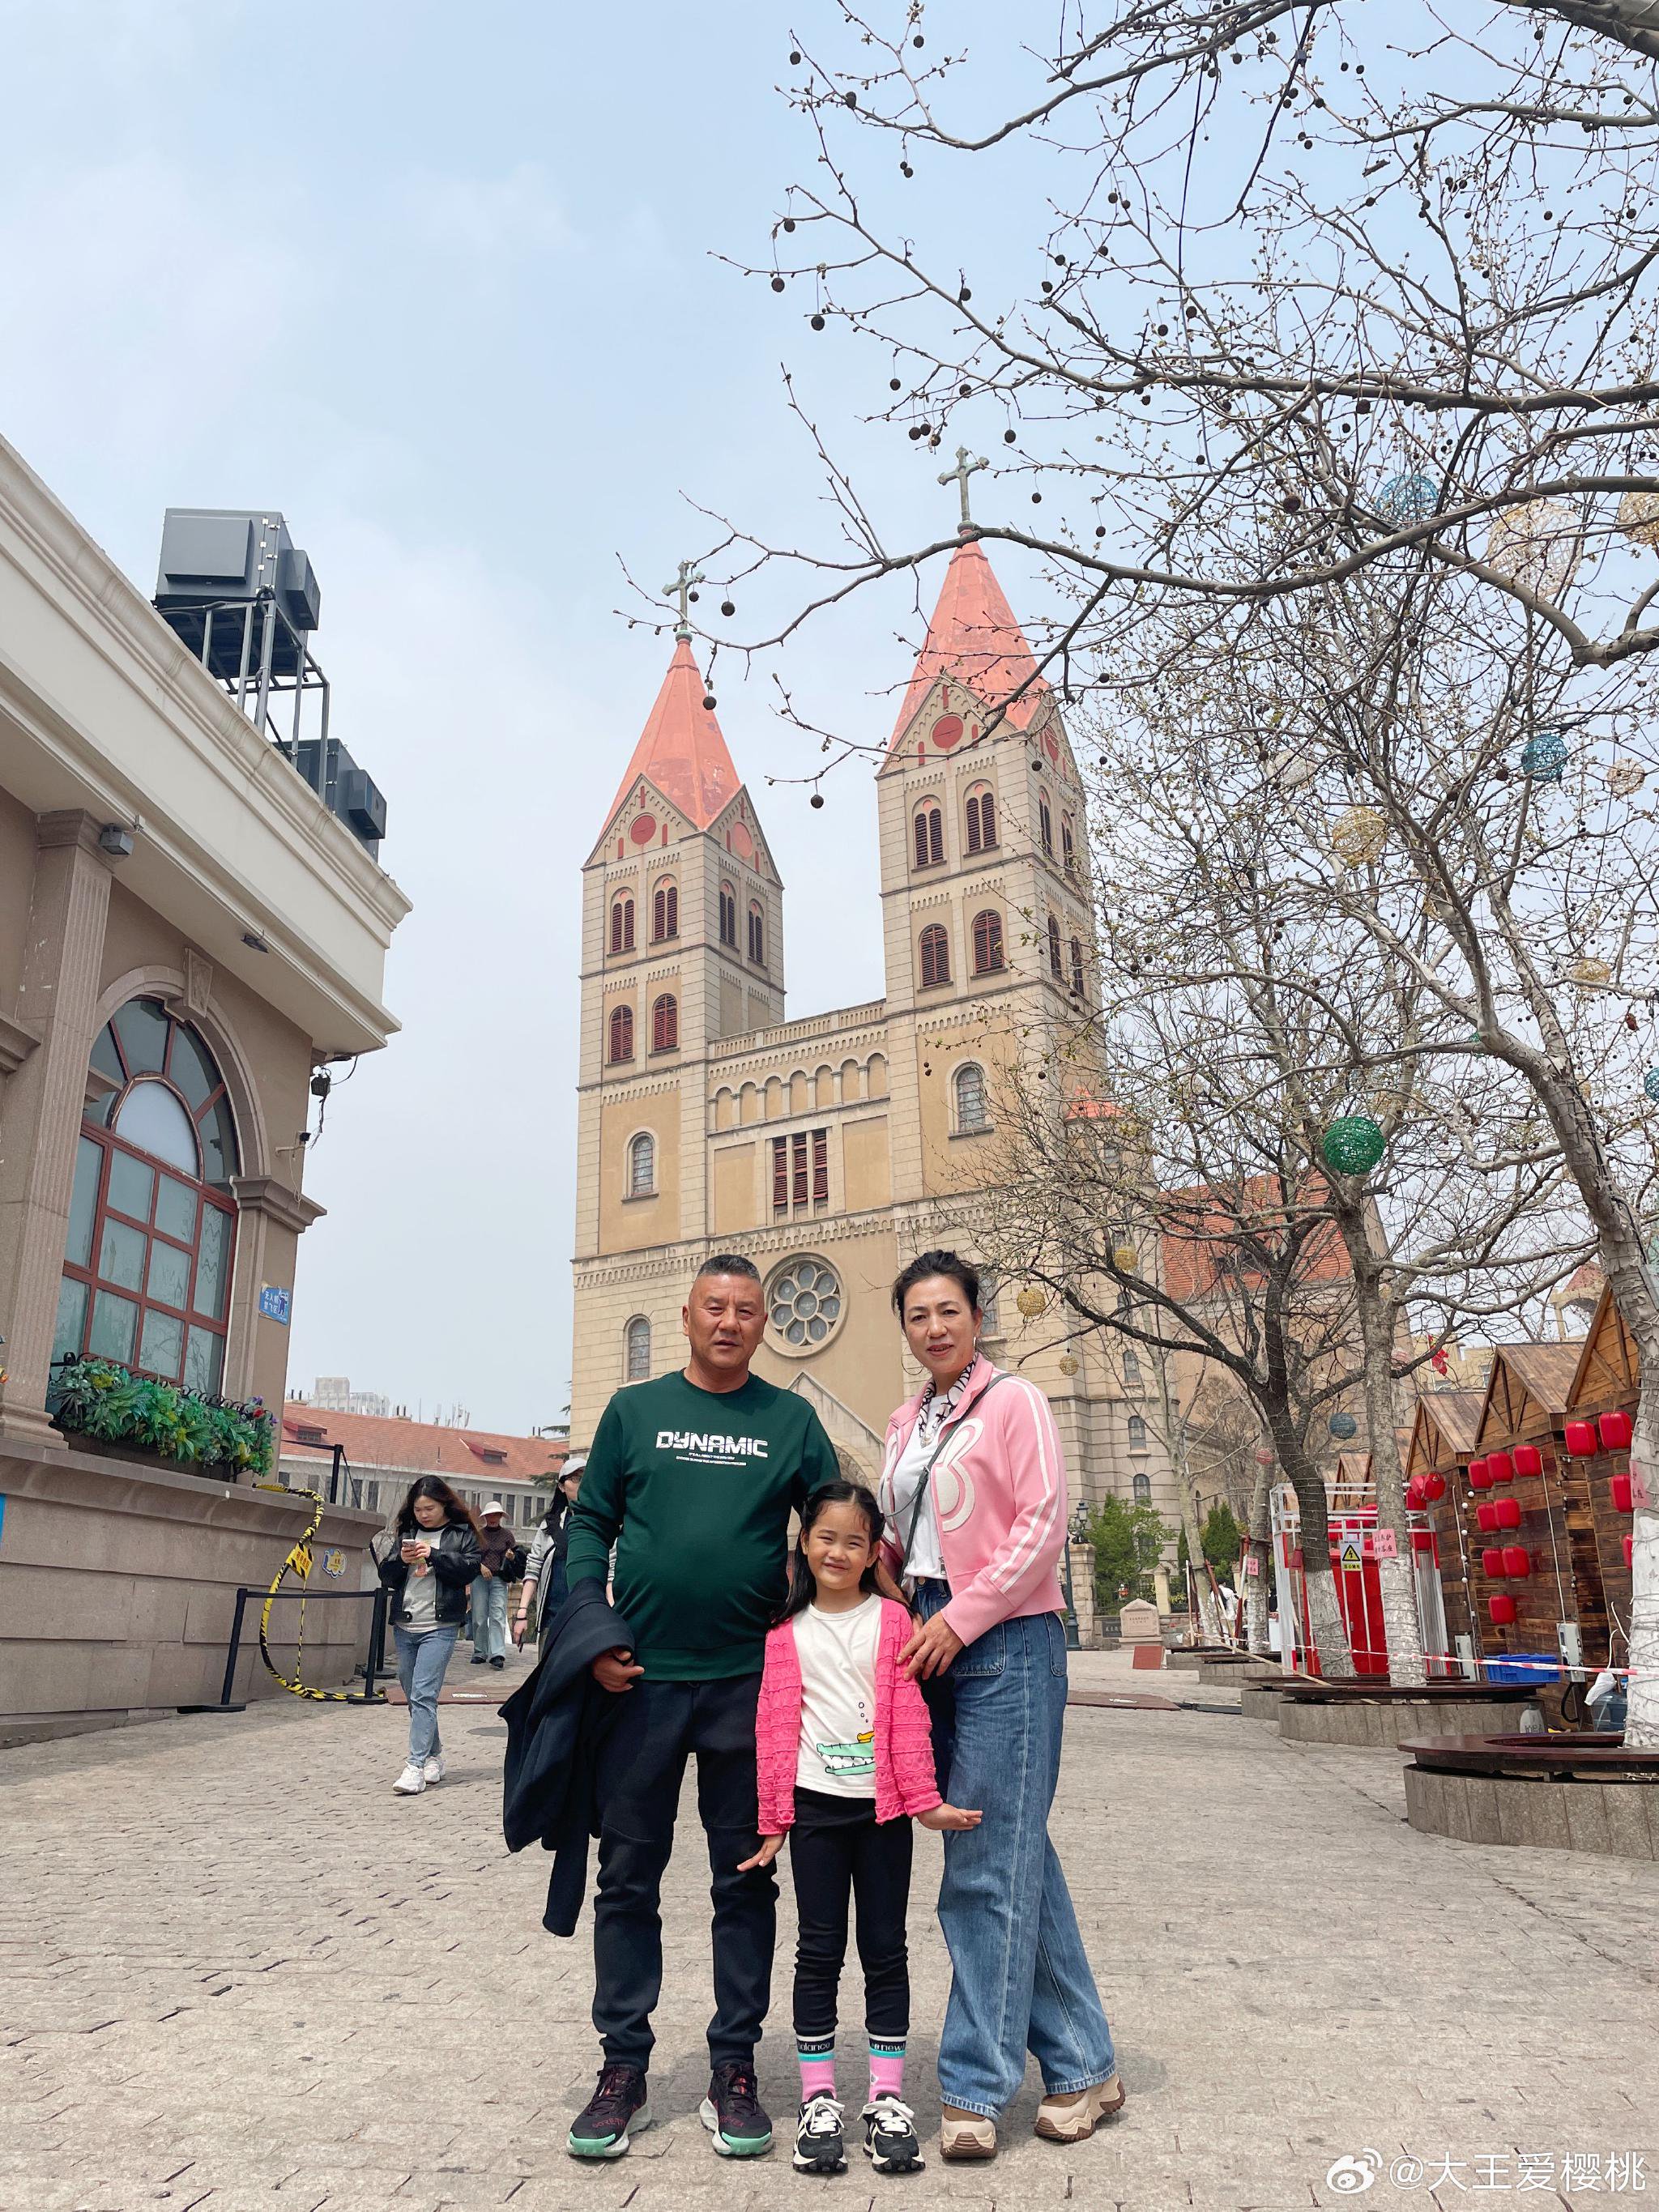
x: 801, y: 1093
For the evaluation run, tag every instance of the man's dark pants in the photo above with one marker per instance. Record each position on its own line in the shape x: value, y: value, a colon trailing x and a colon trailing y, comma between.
x: 642, y: 1766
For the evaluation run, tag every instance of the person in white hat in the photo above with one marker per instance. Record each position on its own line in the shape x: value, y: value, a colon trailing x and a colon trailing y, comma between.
x: 489, y: 1591
x: 544, y: 1590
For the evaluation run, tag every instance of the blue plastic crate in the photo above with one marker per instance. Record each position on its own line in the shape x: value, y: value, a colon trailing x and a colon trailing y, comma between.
x: 1528, y: 1666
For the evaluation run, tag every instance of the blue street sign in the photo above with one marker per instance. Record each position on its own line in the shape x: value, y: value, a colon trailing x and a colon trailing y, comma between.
x: 276, y: 1304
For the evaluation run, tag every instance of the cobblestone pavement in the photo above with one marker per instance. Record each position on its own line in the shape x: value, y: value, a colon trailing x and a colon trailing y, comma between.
x: 238, y: 1972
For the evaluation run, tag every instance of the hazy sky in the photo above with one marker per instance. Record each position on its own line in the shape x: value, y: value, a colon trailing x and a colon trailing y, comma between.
x: 440, y: 284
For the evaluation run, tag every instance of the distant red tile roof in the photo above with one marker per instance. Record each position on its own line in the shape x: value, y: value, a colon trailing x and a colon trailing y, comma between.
x: 422, y: 1447
x: 681, y: 750
x: 975, y: 639
x: 1200, y: 1239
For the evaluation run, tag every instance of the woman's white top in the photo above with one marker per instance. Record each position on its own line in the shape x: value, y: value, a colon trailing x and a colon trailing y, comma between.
x: 926, y: 1554
x: 837, y: 1653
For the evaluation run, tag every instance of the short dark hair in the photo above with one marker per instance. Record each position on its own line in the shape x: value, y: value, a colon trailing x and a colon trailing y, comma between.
x: 936, y: 1263
x: 727, y: 1263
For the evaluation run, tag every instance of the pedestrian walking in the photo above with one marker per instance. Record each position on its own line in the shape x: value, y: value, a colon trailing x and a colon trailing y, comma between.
x: 975, y: 1484
x: 488, y: 1598
x: 426, y: 1561
x: 544, y: 1587
x: 845, y: 1762
x: 693, y: 1477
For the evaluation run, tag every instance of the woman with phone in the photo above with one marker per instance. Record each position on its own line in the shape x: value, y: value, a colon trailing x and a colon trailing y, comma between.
x: 426, y: 1560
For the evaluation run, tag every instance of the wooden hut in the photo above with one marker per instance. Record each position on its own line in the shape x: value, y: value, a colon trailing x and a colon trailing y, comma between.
x: 1604, y: 1389
x: 1442, y: 1442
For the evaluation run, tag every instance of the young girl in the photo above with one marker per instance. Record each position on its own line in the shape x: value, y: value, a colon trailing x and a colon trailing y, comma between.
x: 844, y: 1757
x: 426, y: 1560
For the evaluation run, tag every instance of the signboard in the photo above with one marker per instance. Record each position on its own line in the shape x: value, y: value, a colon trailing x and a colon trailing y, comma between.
x: 1383, y: 1546
x: 1252, y: 1564
x: 276, y: 1304
x: 1639, y: 1488
x: 334, y: 1563
x: 1353, y: 1554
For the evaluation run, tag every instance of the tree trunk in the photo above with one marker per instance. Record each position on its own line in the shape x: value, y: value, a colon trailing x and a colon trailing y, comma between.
x: 1258, y: 1552
x: 1396, y: 1579
x: 1324, y: 1614
x: 1209, y: 1628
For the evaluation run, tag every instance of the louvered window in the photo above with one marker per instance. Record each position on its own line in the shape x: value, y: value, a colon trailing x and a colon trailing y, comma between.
x: 935, y: 957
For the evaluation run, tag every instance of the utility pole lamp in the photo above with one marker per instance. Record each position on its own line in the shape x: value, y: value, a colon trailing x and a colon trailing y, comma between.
x: 1076, y: 1528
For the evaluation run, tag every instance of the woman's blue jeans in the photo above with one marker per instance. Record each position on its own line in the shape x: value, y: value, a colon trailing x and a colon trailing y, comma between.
x: 422, y: 1662
x: 1020, y: 1976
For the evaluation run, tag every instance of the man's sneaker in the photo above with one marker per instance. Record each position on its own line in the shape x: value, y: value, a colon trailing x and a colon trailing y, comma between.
x: 410, y: 1782
x: 889, y: 2136
x: 617, y: 2107
x: 733, y: 2114
x: 819, y: 2145
x: 433, y: 1769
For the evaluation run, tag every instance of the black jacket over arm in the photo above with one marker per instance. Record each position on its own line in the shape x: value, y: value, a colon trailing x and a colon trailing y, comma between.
x: 557, y: 1720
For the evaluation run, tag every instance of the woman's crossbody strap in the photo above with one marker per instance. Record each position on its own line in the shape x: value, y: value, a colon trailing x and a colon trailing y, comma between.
x: 927, y: 1478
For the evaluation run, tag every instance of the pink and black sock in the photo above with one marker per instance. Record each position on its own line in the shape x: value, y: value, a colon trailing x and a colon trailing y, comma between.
x: 817, y: 2054
x: 886, y: 2067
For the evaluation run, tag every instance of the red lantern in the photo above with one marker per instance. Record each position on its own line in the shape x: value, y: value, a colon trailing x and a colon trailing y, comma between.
x: 1434, y: 1486
x: 1581, y: 1440
x: 1479, y: 1478
x: 1624, y: 1498
x: 1492, y: 1562
x: 1508, y: 1511
x: 1501, y: 1610
x: 1500, y: 1468
x: 1615, y: 1431
x: 1529, y: 1459
x: 1516, y: 1559
x: 1487, y: 1515
x: 1629, y: 1543
x: 1422, y: 1540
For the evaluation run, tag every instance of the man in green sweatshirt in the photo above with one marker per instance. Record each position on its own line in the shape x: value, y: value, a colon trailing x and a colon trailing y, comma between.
x: 693, y: 1477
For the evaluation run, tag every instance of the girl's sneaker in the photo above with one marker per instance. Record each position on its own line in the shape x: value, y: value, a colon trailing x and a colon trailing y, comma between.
x: 410, y: 1782
x: 820, y: 2146
x: 434, y: 1770
x: 889, y: 2136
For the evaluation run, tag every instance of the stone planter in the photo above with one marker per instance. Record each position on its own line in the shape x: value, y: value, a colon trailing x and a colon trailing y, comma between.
x: 1572, y: 1793
x: 1379, y: 1715
x: 1226, y: 1670
x: 1259, y: 1694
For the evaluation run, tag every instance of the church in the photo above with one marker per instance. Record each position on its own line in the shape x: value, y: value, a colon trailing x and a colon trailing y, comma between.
x: 832, y: 1148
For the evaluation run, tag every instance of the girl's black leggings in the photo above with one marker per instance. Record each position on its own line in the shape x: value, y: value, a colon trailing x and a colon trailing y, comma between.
x: 835, y: 1859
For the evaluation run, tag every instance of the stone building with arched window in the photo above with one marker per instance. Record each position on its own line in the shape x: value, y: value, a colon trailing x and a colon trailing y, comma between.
x: 187, y: 932
x: 832, y: 1148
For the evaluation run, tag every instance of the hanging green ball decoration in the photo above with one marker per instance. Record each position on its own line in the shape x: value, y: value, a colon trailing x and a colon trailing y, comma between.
x: 1543, y: 757
x: 1410, y: 497
x: 1650, y: 1083
x: 1353, y: 1145
x: 1343, y: 1426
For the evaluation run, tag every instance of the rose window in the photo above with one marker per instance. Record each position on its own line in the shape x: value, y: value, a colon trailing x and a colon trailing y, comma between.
x: 803, y: 1303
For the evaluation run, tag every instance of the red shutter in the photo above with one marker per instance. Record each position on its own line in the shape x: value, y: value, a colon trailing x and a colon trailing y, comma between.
x: 780, y: 1174
x: 988, y: 819
x: 935, y: 834
x: 820, y: 1167
x: 1055, y: 961
x: 798, y: 1193
x: 972, y: 825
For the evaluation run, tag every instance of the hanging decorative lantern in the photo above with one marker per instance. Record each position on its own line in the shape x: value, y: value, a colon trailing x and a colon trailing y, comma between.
x: 1293, y: 770
x: 1411, y: 496
x: 1518, y: 1560
x: 1124, y: 1257
x: 1344, y: 1426
x: 1581, y: 1439
x: 1500, y: 1469
x: 1625, y: 776
x: 1032, y: 1301
x: 1358, y: 835
x: 1637, y: 518
x: 1590, y: 974
x: 1500, y: 1610
x: 1650, y: 1083
x: 1538, y: 546
x: 1492, y: 1562
x: 1486, y: 1519
x: 1434, y: 1488
x: 1508, y: 1511
x: 1414, y: 1494
x: 1264, y: 1457
x: 1529, y: 1459
x: 1068, y: 1365
x: 1615, y: 1430
x: 1353, y: 1144
x: 1544, y: 756
x: 1624, y: 1494
x: 1479, y: 1475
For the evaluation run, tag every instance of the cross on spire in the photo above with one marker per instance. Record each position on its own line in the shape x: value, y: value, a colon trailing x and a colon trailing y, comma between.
x: 959, y: 475
x: 690, y: 575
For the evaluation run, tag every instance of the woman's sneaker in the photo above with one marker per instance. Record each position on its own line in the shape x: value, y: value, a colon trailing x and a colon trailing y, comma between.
x: 616, y: 2109
x: 889, y: 2136
x: 820, y: 2146
x: 965, y: 2135
x: 410, y: 1782
x: 1073, y: 2117
x: 733, y: 2114
x: 434, y: 1770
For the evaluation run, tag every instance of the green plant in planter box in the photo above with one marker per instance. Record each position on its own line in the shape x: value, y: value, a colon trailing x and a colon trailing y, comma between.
x: 98, y: 1399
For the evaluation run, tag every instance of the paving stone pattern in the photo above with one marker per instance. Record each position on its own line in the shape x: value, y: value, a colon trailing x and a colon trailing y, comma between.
x: 236, y: 1972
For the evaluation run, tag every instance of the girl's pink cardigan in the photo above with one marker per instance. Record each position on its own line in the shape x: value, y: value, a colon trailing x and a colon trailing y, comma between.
x: 904, y: 1747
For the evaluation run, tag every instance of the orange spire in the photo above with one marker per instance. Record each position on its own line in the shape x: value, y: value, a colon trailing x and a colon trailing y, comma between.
x: 975, y: 639
x: 681, y: 750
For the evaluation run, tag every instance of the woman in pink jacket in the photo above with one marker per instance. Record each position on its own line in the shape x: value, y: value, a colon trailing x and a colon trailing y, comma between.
x: 843, y: 1759
x: 974, y: 1486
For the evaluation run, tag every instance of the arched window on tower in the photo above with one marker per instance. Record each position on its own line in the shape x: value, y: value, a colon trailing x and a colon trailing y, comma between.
x: 1046, y: 827
x: 935, y: 957
x: 636, y: 1350
x: 152, y: 1229
x: 1067, y: 845
x: 988, y: 955
x: 982, y: 820
x: 665, y: 1024
x: 1137, y: 1433
x: 1055, y: 964
x: 665, y: 911
x: 972, y: 1112
x: 1077, y: 966
x: 622, y: 924
x: 927, y: 834
x: 728, y: 915
x: 621, y: 1042
x: 642, y: 1165
x: 756, y: 933
x: 1143, y: 1488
